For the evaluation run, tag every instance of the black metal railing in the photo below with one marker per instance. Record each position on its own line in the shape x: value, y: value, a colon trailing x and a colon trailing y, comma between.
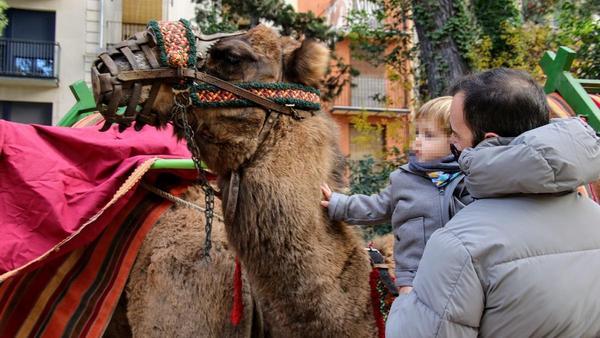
x: 368, y: 91
x: 28, y: 58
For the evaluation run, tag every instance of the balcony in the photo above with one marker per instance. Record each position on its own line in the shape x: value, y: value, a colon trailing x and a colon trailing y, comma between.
x: 365, y: 97
x: 34, y: 62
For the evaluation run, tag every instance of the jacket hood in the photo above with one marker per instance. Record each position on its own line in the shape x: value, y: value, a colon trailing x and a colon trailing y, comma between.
x: 554, y: 158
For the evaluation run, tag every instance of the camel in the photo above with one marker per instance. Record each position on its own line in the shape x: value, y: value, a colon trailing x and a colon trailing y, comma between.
x: 303, y: 274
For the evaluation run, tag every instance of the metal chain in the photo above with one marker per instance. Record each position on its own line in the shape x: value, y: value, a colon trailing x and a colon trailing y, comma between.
x: 180, y: 112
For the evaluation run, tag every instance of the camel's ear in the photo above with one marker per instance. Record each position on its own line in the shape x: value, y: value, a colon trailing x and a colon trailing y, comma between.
x: 305, y: 62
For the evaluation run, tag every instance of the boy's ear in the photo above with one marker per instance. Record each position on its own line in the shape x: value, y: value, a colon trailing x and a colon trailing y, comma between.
x: 305, y: 63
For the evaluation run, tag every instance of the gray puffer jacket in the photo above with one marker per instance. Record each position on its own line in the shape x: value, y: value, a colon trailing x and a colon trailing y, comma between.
x: 522, y: 260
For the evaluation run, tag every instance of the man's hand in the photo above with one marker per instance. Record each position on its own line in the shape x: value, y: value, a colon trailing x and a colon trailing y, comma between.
x: 404, y: 289
x: 326, y: 190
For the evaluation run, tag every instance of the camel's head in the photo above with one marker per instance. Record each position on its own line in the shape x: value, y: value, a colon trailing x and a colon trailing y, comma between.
x: 225, y: 127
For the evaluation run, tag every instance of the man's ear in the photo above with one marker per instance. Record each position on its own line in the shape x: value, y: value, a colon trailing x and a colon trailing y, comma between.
x: 490, y: 135
x: 305, y: 63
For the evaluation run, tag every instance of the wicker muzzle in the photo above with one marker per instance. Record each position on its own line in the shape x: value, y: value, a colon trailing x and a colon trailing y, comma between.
x: 131, y: 72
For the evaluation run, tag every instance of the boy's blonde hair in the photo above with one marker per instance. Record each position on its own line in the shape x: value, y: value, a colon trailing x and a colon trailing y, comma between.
x: 437, y: 110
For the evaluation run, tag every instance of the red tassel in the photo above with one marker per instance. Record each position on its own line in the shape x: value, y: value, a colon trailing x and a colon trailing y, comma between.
x: 237, y: 310
x: 376, y: 302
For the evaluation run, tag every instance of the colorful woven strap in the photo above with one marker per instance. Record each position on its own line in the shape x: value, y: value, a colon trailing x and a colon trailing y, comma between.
x: 299, y: 96
x: 176, y: 41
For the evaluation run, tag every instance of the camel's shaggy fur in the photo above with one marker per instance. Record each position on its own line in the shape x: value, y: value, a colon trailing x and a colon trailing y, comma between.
x: 172, y: 291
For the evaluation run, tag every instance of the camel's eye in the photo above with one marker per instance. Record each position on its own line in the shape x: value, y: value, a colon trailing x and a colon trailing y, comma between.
x: 232, y: 59
x: 232, y: 53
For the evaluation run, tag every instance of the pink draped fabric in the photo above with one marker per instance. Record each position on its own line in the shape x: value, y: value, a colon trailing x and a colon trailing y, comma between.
x: 54, y: 179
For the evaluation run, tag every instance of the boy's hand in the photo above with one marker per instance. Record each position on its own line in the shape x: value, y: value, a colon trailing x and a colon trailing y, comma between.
x: 326, y: 190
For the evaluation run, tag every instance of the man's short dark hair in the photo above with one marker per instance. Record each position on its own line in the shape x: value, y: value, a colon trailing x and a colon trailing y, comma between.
x: 504, y: 101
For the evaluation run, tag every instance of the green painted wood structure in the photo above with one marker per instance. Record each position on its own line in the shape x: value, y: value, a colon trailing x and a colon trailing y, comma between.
x: 574, y: 91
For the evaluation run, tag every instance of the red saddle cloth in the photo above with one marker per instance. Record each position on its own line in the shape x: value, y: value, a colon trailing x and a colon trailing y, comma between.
x: 60, y: 187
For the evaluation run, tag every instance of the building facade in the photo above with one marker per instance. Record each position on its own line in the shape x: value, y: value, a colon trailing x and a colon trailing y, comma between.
x: 391, y: 117
x: 50, y: 44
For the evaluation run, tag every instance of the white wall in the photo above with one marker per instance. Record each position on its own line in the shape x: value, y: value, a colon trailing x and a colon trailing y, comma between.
x: 294, y: 3
x: 178, y: 9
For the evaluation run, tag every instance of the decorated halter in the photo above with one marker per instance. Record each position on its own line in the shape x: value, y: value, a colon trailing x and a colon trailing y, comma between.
x: 289, y: 94
x: 181, y: 53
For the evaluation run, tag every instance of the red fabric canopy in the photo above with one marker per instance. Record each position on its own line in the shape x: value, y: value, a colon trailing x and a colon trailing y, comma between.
x: 58, y: 185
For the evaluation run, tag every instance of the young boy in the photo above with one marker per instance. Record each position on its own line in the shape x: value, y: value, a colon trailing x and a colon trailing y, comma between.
x: 420, y: 198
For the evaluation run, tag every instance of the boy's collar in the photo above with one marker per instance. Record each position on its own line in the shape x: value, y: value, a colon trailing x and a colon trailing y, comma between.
x: 445, y: 164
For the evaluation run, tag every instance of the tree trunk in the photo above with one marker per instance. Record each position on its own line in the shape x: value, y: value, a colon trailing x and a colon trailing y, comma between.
x: 439, y: 53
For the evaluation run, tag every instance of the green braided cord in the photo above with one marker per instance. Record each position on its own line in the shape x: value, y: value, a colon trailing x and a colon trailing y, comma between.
x: 238, y: 103
x: 261, y: 85
x: 192, y: 42
x: 153, y: 25
x: 298, y: 103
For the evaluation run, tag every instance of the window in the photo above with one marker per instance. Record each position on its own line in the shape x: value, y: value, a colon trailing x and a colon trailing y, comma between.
x: 369, y: 87
x: 26, y: 112
x: 30, y: 25
x: 27, y: 47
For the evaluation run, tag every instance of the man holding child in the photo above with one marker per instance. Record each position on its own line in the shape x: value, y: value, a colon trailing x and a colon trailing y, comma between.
x: 523, y: 259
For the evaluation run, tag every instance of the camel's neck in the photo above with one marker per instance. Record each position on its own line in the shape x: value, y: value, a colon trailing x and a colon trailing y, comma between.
x: 295, y: 257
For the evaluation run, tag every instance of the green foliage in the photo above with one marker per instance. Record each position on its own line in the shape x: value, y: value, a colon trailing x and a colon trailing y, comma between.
x: 579, y: 29
x: 3, y: 18
x: 230, y: 15
x: 227, y: 15
x: 548, y: 24
x: 459, y: 28
x: 494, y: 17
x: 523, y: 47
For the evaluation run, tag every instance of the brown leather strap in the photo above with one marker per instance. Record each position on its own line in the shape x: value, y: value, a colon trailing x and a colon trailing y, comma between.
x: 150, y: 56
x: 130, y: 113
x: 110, y: 64
x: 163, y: 73
x: 141, y: 38
x: 217, y: 36
x: 130, y: 57
x: 148, y: 74
x: 232, y: 197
